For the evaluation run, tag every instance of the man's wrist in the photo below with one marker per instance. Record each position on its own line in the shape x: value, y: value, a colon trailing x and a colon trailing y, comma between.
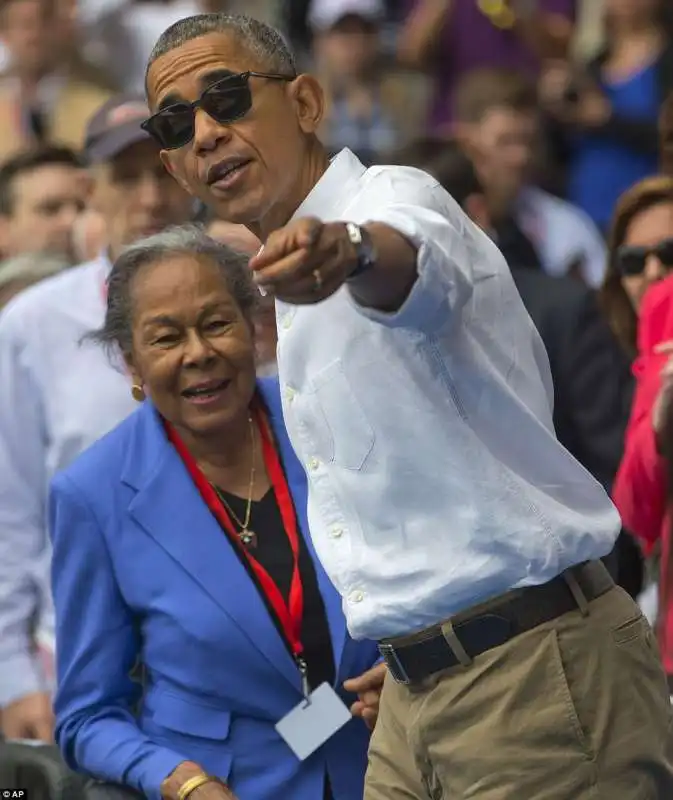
x: 366, y: 254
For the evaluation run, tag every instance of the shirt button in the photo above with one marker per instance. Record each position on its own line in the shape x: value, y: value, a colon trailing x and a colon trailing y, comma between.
x: 289, y: 393
x: 286, y: 322
x: 356, y: 597
x: 313, y: 464
x: 336, y: 532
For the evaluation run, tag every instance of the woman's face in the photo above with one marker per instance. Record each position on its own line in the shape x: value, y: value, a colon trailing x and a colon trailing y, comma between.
x: 193, y: 350
x: 645, y: 251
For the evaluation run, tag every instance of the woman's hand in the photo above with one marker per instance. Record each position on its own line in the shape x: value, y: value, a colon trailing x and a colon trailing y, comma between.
x: 367, y: 687
x: 184, y: 772
x: 212, y: 791
x: 662, y: 405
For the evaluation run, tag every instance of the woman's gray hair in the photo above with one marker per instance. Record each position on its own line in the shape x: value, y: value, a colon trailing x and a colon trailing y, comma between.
x: 116, y: 335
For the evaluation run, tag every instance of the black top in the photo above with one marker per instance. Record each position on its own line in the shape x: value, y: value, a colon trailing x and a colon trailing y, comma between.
x: 272, y: 549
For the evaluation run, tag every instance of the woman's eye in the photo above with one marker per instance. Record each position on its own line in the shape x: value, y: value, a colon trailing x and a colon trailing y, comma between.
x: 217, y: 325
x: 166, y: 339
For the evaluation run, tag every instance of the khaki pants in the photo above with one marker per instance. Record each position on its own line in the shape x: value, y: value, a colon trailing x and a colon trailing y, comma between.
x: 576, y: 709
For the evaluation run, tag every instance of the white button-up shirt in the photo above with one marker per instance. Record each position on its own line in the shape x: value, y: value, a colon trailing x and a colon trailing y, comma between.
x: 435, y: 477
x: 58, y: 395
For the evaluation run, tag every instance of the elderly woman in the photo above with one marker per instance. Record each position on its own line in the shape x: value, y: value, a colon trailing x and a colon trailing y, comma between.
x: 179, y: 547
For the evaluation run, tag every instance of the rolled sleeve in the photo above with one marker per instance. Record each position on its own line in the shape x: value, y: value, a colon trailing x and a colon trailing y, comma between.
x: 448, y: 246
x: 23, y: 536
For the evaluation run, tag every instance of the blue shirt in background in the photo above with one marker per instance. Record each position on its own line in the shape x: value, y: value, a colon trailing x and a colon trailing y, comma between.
x: 602, y: 169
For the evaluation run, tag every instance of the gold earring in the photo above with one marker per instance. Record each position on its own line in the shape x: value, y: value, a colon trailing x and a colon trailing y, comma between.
x: 137, y: 393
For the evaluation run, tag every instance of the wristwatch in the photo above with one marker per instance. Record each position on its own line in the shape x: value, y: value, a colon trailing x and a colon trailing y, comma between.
x: 364, y: 248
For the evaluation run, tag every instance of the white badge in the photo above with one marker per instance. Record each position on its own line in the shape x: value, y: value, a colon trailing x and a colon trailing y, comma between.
x: 310, y: 724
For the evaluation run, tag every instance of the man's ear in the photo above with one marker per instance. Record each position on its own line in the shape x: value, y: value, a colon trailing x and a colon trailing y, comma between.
x: 309, y: 102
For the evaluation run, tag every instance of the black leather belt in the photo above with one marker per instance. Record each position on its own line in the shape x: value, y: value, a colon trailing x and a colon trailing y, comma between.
x: 474, y: 631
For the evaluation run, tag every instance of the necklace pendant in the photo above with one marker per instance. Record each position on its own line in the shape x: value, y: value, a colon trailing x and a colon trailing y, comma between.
x: 249, y: 538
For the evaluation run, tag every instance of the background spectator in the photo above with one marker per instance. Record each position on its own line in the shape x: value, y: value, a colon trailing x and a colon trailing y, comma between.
x: 450, y: 38
x: 368, y: 109
x: 42, y: 194
x: 609, y: 108
x: 497, y: 119
x: 42, y: 97
x: 643, y: 220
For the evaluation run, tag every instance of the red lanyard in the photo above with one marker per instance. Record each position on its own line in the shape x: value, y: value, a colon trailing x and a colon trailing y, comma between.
x: 289, y: 614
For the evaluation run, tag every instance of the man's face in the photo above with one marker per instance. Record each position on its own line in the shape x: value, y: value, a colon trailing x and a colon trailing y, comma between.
x: 502, y: 145
x: 46, y: 204
x: 136, y: 197
x: 26, y: 33
x: 347, y: 50
x: 268, y: 142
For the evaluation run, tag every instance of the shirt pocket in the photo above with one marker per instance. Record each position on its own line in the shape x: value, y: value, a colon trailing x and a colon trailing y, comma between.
x: 348, y: 434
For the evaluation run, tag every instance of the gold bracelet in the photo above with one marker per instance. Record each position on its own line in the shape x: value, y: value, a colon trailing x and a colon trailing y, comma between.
x: 193, y: 783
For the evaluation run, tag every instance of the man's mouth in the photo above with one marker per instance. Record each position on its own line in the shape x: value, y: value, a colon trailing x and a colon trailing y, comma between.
x: 206, y: 390
x: 225, y: 170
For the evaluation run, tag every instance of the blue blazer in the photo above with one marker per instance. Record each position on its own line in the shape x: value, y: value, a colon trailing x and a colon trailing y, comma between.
x: 141, y: 570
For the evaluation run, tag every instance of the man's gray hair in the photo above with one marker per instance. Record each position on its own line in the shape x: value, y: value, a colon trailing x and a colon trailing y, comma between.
x: 116, y: 335
x: 263, y: 41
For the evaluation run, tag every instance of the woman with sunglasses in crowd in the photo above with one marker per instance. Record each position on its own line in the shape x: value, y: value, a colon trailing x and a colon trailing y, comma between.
x: 640, y: 253
x: 179, y: 547
x: 640, y: 256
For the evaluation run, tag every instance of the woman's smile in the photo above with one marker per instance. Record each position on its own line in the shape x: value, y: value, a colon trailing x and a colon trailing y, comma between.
x: 207, y: 393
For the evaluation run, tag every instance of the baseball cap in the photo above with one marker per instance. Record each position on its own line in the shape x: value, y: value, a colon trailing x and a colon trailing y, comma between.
x: 114, y: 127
x: 324, y: 14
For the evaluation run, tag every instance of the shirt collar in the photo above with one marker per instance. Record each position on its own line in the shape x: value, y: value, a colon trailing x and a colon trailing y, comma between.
x: 339, y: 180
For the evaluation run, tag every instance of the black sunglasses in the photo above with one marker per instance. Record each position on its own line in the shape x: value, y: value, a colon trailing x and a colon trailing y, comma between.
x: 226, y: 100
x: 630, y: 260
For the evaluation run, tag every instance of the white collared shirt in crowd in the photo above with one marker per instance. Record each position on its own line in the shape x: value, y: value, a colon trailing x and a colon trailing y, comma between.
x: 564, y: 237
x: 58, y: 395
x: 435, y: 478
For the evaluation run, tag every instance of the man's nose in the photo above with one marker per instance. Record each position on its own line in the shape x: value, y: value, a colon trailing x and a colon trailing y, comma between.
x: 208, y: 132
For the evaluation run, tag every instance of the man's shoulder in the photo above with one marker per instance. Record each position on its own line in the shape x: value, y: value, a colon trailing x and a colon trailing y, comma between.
x: 51, y: 295
x: 399, y: 178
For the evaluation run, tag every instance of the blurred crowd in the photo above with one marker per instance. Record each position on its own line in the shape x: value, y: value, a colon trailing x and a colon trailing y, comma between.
x: 546, y: 119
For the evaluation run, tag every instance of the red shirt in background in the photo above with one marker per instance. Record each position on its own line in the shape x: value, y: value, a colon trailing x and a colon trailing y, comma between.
x: 640, y: 488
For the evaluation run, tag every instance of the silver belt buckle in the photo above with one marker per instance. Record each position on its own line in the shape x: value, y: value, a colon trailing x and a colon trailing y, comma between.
x: 394, y: 664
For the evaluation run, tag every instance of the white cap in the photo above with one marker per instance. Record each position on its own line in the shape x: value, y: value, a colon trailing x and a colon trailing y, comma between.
x: 323, y: 14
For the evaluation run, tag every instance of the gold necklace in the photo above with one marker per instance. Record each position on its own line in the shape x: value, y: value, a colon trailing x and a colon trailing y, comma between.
x: 248, y: 537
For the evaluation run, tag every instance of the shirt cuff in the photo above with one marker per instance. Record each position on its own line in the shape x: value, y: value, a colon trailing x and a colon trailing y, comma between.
x: 442, y: 284
x: 155, y: 769
x: 21, y: 675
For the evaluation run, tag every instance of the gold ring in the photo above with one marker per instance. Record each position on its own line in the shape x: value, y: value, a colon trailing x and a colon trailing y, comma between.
x: 317, y: 277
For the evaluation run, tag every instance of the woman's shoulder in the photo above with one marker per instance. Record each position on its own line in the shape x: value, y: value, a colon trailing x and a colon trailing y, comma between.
x: 100, y: 462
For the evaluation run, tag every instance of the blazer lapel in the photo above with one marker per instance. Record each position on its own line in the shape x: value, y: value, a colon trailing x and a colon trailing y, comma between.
x: 296, y: 478
x: 170, y: 509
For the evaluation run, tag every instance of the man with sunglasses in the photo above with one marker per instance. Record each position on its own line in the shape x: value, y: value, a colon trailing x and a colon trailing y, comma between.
x: 417, y: 394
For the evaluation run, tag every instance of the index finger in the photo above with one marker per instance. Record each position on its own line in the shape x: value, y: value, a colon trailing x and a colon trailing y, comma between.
x: 372, y: 679
x: 295, y: 236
